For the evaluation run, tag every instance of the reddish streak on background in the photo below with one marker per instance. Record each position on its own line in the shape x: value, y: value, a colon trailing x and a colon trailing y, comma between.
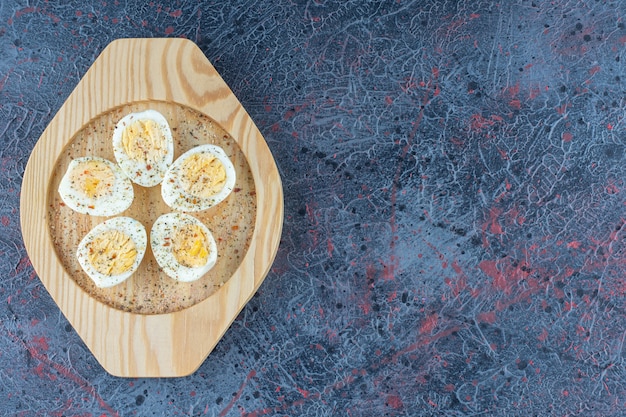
x: 395, y: 402
x: 429, y: 324
x: 493, y: 223
x: 486, y: 317
x: 232, y: 402
x: 35, y: 353
x: 364, y: 303
x: 33, y: 9
x: 505, y: 276
x: 594, y: 70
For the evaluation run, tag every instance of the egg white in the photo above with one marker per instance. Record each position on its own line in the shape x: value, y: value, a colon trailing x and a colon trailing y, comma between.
x: 118, y: 198
x: 141, y: 172
x: 174, y: 193
x: 131, y: 227
x: 161, y: 237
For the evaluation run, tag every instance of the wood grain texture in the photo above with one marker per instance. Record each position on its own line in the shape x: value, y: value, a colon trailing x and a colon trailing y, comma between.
x: 126, y: 343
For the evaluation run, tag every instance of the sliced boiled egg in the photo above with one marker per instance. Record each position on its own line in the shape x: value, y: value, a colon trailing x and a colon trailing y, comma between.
x: 183, y: 246
x: 199, y: 179
x: 96, y: 186
x: 112, y: 251
x: 143, y: 147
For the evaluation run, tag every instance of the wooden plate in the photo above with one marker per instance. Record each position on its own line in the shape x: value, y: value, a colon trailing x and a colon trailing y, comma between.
x: 150, y: 325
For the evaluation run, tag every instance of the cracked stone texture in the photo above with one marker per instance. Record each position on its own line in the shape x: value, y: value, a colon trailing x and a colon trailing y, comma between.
x: 455, y: 211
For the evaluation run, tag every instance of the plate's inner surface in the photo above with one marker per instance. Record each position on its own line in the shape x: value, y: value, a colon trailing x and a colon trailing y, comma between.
x: 149, y: 290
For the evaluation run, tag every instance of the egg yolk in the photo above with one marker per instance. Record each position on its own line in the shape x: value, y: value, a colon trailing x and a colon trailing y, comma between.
x: 202, y: 175
x: 143, y: 141
x: 93, y: 178
x: 112, y: 252
x: 190, y: 246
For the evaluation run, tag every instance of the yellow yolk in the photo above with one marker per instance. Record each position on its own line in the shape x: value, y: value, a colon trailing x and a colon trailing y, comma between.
x: 190, y: 246
x: 95, y: 179
x: 143, y: 141
x: 203, y: 175
x: 112, y: 252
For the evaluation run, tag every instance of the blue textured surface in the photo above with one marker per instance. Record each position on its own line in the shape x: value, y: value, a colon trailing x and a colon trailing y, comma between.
x: 454, y: 208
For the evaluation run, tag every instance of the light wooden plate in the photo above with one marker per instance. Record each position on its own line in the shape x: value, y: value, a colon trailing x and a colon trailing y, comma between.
x: 152, y: 326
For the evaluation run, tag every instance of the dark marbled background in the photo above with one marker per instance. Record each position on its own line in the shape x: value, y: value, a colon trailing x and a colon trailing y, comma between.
x: 454, y: 208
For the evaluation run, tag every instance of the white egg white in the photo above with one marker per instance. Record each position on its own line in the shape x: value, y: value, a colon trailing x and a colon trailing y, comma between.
x: 118, y: 197
x: 142, y: 172
x: 132, y: 228
x: 178, y: 198
x: 161, y: 241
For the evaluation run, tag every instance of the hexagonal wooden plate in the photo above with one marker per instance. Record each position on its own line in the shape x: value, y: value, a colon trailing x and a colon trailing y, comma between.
x: 130, y: 340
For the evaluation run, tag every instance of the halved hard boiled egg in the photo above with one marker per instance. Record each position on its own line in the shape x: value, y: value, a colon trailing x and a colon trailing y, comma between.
x: 96, y: 186
x: 143, y: 147
x: 183, y: 246
x: 199, y: 179
x: 112, y: 251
